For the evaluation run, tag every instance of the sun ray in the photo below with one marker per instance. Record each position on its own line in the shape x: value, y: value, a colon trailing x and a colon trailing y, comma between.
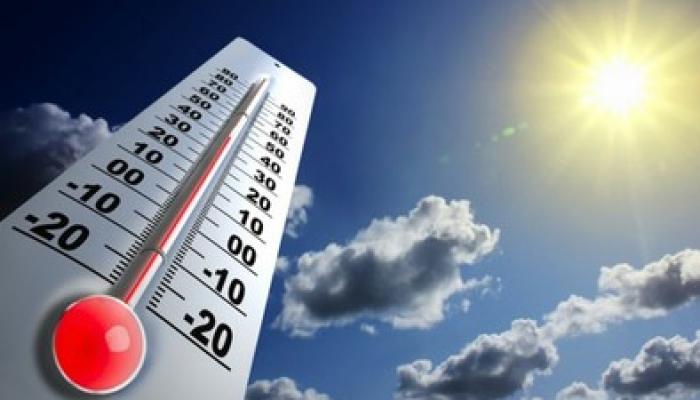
x: 635, y: 63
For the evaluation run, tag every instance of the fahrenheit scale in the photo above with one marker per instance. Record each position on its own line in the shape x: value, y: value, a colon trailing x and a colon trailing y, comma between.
x: 143, y: 270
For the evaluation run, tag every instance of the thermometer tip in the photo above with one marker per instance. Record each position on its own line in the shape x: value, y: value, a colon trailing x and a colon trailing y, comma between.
x: 99, y: 344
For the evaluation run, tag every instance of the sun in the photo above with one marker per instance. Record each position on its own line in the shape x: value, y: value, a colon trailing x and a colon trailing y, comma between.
x: 617, y: 86
x: 610, y: 93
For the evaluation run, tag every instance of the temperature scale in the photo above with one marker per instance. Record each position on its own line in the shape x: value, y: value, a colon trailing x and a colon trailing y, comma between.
x: 143, y: 270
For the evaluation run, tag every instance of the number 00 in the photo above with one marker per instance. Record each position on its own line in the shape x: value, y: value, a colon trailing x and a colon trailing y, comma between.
x: 237, y: 248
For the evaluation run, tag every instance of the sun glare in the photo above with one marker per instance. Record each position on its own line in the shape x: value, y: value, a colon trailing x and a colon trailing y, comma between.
x: 617, y: 86
x: 610, y: 93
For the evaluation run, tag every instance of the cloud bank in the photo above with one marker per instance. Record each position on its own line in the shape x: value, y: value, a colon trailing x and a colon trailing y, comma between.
x: 281, y: 389
x: 625, y: 293
x: 400, y: 271
x: 663, y: 368
x: 491, y: 367
x: 46, y: 139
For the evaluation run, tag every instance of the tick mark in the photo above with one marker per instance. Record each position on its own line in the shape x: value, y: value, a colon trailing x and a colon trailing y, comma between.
x: 188, y: 318
x: 72, y: 185
x: 180, y: 167
x: 207, y: 272
x: 31, y: 218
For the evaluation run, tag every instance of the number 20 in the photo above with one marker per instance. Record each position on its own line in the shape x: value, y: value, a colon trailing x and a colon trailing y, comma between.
x: 222, y: 337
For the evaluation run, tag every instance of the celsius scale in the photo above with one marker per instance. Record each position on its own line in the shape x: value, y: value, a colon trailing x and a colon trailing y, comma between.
x: 144, y: 269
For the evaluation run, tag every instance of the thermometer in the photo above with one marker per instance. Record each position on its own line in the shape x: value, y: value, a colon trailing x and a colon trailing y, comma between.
x: 166, y: 234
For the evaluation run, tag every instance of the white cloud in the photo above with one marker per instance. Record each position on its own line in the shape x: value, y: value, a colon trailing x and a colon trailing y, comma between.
x: 465, y: 305
x: 664, y: 368
x: 48, y: 139
x: 368, y: 329
x: 625, y: 293
x: 491, y: 367
x: 581, y: 391
x: 297, y: 216
x: 486, y: 285
x: 401, y: 271
x: 282, y: 264
x: 50, y: 130
x: 281, y: 389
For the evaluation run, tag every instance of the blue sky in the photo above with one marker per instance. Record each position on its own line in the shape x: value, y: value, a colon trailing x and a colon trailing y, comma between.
x: 411, y: 98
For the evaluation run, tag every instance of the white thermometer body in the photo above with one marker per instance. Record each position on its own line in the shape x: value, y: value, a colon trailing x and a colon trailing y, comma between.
x: 177, y: 219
